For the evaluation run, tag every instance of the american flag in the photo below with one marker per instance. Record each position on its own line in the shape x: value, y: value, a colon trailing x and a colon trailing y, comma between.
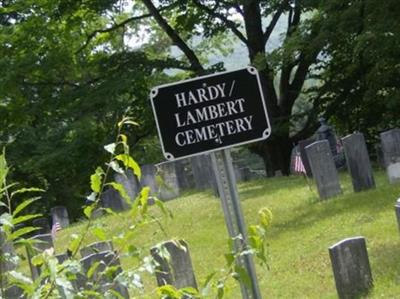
x: 54, y: 229
x: 298, y: 164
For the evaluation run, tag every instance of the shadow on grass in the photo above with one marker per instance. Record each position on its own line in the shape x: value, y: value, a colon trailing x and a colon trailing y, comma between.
x: 371, y: 203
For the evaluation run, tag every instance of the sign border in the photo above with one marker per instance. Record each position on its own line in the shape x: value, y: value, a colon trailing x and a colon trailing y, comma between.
x: 154, y: 92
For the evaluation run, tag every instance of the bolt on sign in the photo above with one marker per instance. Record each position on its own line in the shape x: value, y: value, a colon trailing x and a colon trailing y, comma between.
x: 210, y: 113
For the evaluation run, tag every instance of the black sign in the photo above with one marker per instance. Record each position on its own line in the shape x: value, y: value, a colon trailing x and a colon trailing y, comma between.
x: 210, y: 113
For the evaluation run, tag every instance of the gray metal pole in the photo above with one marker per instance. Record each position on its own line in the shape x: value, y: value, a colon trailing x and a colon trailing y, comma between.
x: 226, y: 181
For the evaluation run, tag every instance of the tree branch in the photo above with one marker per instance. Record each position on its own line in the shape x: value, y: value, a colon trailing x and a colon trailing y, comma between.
x: 119, y: 25
x: 270, y: 28
x: 230, y: 24
x: 174, y: 36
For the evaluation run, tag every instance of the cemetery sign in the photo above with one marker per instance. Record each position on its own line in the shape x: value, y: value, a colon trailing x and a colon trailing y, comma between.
x: 210, y: 113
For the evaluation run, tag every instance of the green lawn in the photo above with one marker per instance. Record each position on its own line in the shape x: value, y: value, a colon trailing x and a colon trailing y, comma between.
x: 302, y: 230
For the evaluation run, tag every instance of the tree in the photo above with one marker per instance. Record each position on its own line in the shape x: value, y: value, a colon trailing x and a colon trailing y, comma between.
x: 359, y: 79
x: 289, y: 65
x: 62, y: 92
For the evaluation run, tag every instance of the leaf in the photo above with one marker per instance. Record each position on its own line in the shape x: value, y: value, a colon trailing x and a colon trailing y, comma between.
x: 25, y: 190
x: 115, y: 166
x: 24, y: 218
x: 92, y: 269
x: 88, y: 211
x: 242, y: 275
x: 23, y: 205
x: 23, y: 231
x: 95, y: 180
x: 99, y: 233
x: 127, y: 120
x: 121, y: 190
x: 129, y: 162
x: 37, y: 260
x: 74, y: 244
x: 110, y: 147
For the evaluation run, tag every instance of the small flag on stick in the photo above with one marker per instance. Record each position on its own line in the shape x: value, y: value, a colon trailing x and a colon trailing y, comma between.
x: 298, y: 165
x: 54, y: 229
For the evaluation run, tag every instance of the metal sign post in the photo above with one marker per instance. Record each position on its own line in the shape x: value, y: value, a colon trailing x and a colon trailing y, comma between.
x: 226, y: 181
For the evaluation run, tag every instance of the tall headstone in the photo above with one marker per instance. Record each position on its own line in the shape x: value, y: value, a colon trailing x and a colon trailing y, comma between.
x: 104, y: 282
x: 169, y: 188
x: 60, y: 214
x: 111, y: 199
x: 397, y: 210
x: 177, y: 269
x: 390, y: 143
x: 184, y: 174
x: 358, y: 162
x: 130, y: 182
x: 42, y: 224
x: 148, y: 178
x: 323, y: 169
x: 203, y: 175
x: 302, y: 148
x: 351, y: 267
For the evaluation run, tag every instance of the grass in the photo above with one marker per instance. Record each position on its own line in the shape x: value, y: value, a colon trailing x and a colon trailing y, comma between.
x: 302, y: 230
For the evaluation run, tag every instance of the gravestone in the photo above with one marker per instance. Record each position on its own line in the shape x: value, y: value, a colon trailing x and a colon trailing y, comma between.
x: 45, y: 241
x: 323, y: 169
x: 149, y: 178
x: 61, y: 258
x: 130, y: 182
x: 111, y: 199
x: 351, y: 267
x: 184, y: 174
x: 96, y: 247
x: 304, y: 158
x: 239, y: 174
x: 390, y: 143
x: 358, y: 162
x: 60, y: 214
x: 104, y: 282
x: 169, y: 188
x: 203, y: 175
x: 177, y: 269
x: 397, y: 210
x: 43, y: 225
x: 6, y: 264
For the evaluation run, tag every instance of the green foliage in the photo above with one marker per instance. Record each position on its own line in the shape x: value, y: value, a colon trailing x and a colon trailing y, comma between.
x: 359, y: 78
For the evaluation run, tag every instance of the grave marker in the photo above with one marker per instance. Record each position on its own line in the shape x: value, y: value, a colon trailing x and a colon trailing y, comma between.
x: 323, y: 169
x: 96, y: 248
x: 112, y: 199
x: 351, y: 268
x: 149, y: 178
x: 130, y: 183
x: 177, y: 269
x: 390, y: 144
x: 358, y: 162
x: 397, y: 210
x: 60, y: 214
x: 169, y: 187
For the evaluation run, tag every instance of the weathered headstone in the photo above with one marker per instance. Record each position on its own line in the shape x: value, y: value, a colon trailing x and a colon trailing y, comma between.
x: 111, y: 199
x: 358, y: 162
x: 203, y: 175
x: 44, y: 242
x: 302, y: 148
x: 390, y: 143
x: 61, y: 258
x: 184, y: 174
x: 239, y: 174
x: 169, y: 187
x: 323, y: 169
x: 149, y: 178
x: 177, y: 269
x: 42, y: 224
x: 105, y: 282
x: 59, y: 215
x: 397, y: 210
x: 7, y: 254
x: 96, y: 247
x: 351, y: 267
x: 130, y: 182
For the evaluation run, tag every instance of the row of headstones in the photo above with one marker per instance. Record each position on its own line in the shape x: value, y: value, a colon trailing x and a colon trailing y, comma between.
x: 321, y: 162
x: 176, y: 176
x: 349, y: 259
